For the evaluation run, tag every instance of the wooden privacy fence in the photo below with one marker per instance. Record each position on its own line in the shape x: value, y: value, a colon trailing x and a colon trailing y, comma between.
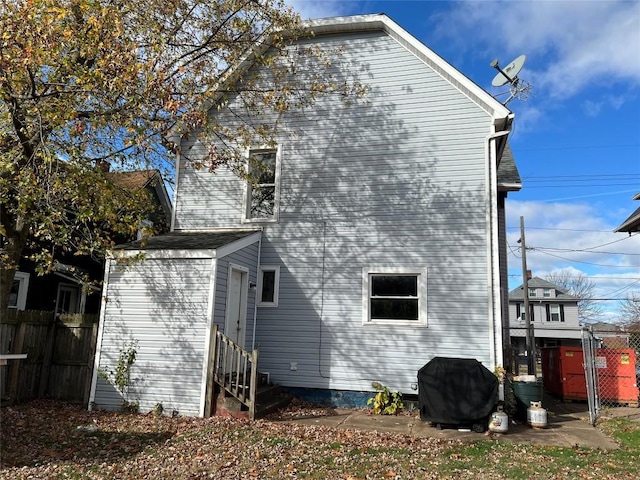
x: 60, y: 353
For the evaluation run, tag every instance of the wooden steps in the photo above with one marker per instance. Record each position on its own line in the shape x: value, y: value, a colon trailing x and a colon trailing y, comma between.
x: 269, y: 398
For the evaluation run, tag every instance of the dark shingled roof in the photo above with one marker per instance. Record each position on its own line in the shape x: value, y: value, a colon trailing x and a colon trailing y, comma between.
x: 631, y: 224
x: 508, y: 176
x: 537, y: 282
x: 188, y: 240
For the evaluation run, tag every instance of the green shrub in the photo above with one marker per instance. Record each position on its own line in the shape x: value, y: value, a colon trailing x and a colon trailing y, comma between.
x: 385, y: 402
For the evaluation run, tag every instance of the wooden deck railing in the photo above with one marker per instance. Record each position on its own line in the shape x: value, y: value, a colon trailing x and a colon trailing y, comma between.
x: 235, y: 370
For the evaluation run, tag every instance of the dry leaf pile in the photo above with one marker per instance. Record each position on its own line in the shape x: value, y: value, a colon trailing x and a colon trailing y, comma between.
x: 46, y: 439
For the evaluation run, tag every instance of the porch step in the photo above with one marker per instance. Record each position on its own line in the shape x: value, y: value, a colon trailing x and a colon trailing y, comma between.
x: 269, y: 398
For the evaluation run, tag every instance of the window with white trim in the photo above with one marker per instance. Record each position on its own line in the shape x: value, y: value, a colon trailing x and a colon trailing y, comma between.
x: 263, y: 189
x: 546, y: 292
x: 18, y: 294
x: 532, y: 292
x: 394, y: 296
x: 555, y: 312
x: 268, y: 285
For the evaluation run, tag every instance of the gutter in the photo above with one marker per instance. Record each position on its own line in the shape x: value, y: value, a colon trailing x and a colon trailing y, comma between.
x: 495, y: 294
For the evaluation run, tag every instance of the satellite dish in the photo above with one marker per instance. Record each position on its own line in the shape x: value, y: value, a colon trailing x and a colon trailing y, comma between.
x: 508, y: 74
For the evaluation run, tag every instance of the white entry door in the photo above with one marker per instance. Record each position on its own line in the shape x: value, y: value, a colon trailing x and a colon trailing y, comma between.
x: 236, y: 318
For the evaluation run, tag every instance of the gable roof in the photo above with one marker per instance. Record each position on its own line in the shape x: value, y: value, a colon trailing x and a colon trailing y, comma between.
x: 151, y: 179
x: 537, y: 282
x: 631, y: 224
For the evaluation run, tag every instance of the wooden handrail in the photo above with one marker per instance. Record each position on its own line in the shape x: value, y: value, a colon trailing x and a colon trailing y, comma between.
x: 235, y: 370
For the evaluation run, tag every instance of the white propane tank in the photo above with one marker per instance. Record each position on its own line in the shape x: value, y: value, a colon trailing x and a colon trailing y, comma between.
x: 499, y: 422
x: 536, y: 415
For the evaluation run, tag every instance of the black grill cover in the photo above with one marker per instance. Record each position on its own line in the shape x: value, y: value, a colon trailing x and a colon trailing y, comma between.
x: 456, y: 391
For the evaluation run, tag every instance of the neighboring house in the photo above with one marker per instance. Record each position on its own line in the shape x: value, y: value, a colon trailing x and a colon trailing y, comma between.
x: 340, y: 265
x: 631, y: 224
x: 553, y: 316
x: 63, y: 292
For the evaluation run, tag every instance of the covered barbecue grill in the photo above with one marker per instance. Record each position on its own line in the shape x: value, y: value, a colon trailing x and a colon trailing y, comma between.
x: 457, y: 392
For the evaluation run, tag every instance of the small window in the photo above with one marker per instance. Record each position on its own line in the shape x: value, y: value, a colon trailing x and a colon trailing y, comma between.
x: 395, y: 297
x: 268, y: 286
x: 555, y: 313
x: 261, y: 202
x: 18, y: 294
x: 546, y: 293
x: 532, y: 292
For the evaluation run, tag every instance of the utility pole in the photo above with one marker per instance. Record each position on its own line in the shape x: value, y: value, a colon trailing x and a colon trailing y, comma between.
x: 531, y: 361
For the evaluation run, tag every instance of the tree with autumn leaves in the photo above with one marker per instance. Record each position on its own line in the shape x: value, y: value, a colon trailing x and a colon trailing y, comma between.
x: 89, y: 83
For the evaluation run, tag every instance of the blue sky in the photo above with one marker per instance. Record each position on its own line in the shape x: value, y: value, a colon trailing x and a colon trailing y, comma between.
x: 577, y: 137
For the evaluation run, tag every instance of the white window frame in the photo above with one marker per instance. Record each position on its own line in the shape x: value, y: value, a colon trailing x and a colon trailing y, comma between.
x: 421, y: 275
x: 23, y: 288
x: 546, y: 293
x: 276, y: 285
x: 246, y: 207
x: 553, y: 306
x: 532, y: 292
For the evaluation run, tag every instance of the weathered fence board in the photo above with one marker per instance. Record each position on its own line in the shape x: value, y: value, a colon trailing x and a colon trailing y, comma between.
x: 59, y: 355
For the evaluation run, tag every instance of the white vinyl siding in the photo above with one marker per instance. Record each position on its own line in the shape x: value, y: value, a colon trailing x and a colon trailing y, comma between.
x: 398, y: 179
x: 162, y: 305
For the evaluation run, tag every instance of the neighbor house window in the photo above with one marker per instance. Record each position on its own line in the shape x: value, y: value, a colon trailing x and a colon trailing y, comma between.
x: 546, y: 293
x: 521, y: 313
x: 18, y: 294
x: 395, y: 296
x: 555, y: 313
x: 268, y: 286
x: 261, y: 201
x: 532, y: 292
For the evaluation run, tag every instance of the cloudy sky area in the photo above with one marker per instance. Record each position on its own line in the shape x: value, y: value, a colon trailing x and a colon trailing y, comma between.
x: 577, y: 136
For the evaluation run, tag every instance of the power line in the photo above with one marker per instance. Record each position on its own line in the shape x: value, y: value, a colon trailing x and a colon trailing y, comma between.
x: 585, y: 263
x: 579, y: 147
x: 518, y: 275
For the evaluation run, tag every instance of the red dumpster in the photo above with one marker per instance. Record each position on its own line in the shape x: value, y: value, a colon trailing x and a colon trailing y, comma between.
x: 563, y: 374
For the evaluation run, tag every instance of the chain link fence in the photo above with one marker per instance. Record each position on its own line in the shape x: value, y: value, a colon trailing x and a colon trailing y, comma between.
x: 598, y: 365
x: 612, y: 358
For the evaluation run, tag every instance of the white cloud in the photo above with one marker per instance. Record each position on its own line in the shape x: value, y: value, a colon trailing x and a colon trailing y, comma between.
x: 318, y: 8
x: 570, y: 45
x: 561, y: 236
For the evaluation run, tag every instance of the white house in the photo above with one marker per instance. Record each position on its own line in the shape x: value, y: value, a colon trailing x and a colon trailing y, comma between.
x: 339, y: 266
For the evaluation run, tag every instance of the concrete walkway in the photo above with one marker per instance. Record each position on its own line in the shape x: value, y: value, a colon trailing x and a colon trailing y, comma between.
x: 567, y: 426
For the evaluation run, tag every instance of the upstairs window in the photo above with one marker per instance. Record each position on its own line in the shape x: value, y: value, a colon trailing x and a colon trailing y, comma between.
x: 532, y: 292
x: 261, y: 201
x: 546, y: 293
x: 521, y: 314
x: 395, y: 297
x: 555, y: 313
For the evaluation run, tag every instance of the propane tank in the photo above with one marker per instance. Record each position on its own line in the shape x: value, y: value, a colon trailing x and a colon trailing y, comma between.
x: 536, y: 415
x: 499, y: 422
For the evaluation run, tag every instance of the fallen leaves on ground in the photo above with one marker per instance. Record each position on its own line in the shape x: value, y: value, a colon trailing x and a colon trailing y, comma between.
x: 47, y: 439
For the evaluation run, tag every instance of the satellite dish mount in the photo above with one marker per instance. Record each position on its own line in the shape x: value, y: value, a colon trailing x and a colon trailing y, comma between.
x: 509, y: 75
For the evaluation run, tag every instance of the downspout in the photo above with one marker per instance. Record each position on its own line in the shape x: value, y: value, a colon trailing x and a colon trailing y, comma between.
x: 495, y: 295
x: 98, y: 352
x: 255, y: 300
